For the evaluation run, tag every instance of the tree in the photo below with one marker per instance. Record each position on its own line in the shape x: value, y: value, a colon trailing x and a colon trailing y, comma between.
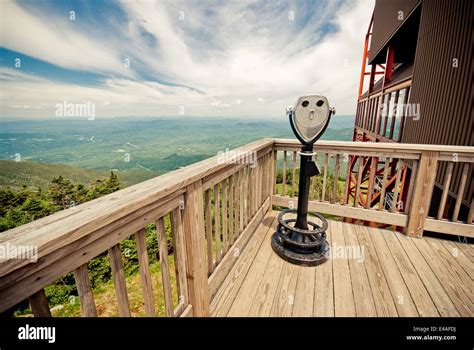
x: 62, y: 192
x: 103, y: 187
x: 18, y: 207
x: 113, y: 183
x: 7, y: 197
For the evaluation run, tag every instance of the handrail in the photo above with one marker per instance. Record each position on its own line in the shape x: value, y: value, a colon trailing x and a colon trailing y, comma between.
x: 427, y: 164
x: 384, y: 146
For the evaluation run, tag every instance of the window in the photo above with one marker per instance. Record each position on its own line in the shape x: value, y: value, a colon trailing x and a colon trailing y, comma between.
x: 359, y: 114
x: 364, y: 114
x: 389, y: 118
x: 384, y: 115
x: 378, y: 113
x: 369, y: 115
x: 399, y: 114
x: 372, y: 114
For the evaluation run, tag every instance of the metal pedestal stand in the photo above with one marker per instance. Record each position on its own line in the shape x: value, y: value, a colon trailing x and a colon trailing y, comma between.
x: 300, y: 241
x: 297, y: 240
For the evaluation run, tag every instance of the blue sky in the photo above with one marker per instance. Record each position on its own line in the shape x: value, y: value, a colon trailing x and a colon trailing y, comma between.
x: 197, y: 58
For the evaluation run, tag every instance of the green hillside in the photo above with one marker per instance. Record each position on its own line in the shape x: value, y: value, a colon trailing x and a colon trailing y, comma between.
x: 39, y: 175
x: 136, y: 150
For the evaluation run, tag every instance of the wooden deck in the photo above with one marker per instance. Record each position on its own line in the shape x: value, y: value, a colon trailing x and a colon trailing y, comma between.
x: 398, y: 276
x: 224, y: 263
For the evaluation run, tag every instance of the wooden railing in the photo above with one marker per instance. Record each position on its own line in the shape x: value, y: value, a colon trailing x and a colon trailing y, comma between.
x: 382, y: 199
x: 235, y: 202
x: 214, y: 207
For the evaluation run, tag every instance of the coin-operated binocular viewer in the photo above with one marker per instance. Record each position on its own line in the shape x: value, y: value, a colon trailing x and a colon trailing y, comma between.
x: 300, y: 241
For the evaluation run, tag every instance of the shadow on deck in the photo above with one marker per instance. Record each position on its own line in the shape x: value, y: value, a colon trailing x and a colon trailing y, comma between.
x: 372, y: 272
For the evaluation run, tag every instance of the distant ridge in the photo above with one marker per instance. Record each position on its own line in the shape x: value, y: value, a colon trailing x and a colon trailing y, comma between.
x: 39, y: 175
x: 84, y: 151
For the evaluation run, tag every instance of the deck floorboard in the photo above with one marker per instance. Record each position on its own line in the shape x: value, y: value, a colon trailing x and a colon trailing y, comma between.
x: 397, y: 276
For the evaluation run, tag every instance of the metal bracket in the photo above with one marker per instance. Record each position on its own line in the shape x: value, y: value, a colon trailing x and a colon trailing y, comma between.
x: 307, y: 154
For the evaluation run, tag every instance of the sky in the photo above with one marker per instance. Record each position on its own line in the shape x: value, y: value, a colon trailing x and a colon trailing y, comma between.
x: 139, y: 58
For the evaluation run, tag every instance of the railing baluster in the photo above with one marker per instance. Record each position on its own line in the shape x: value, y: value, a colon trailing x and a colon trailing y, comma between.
x: 115, y: 258
x: 140, y: 241
x: 348, y: 177
x: 283, y: 184
x: 39, y: 304
x: 252, y: 186
x: 268, y: 177
x: 265, y: 178
x: 217, y: 224
x: 257, y: 186
x: 462, y: 186
x: 241, y: 201
x: 325, y: 175
x: 411, y: 186
x: 359, y: 181
x: 210, y: 259
x: 243, y: 196
x: 471, y: 213
x: 83, y: 285
x: 225, y: 241
x: 261, y: 190
x: 396, y: 189
x: 446, y: 184
x: 313, y: 181
x: 165, y: 267
x: 384, y: 182
x: 258, y: 178
x: 293, y: 175
x: 246, y: 194
x: 335, y: 182
x: 273, y: 174
x: 250, y: 193
x: 236, y: 206
x: 231, y: 210
x: 258, y: 194
x: 253, y: 194
x: 370, y: 190
x: 262, y: 181
x: 179, y: 255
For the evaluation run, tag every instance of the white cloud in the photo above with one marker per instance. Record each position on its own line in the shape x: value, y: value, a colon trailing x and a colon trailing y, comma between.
x: 24, y: 107
x: 114, y: 98
x: 55, y: 41
x: 213, y: 62
x: 220, y: 105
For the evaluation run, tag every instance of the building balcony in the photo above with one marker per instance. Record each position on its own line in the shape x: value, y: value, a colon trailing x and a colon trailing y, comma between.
x: 222, y: 213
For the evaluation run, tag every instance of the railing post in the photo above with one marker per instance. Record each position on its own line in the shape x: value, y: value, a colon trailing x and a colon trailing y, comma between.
x: 84, y: 290
x: 39, y: 304
x: 273, y: 175
x: 194, y: 240
x: 420, y: 203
